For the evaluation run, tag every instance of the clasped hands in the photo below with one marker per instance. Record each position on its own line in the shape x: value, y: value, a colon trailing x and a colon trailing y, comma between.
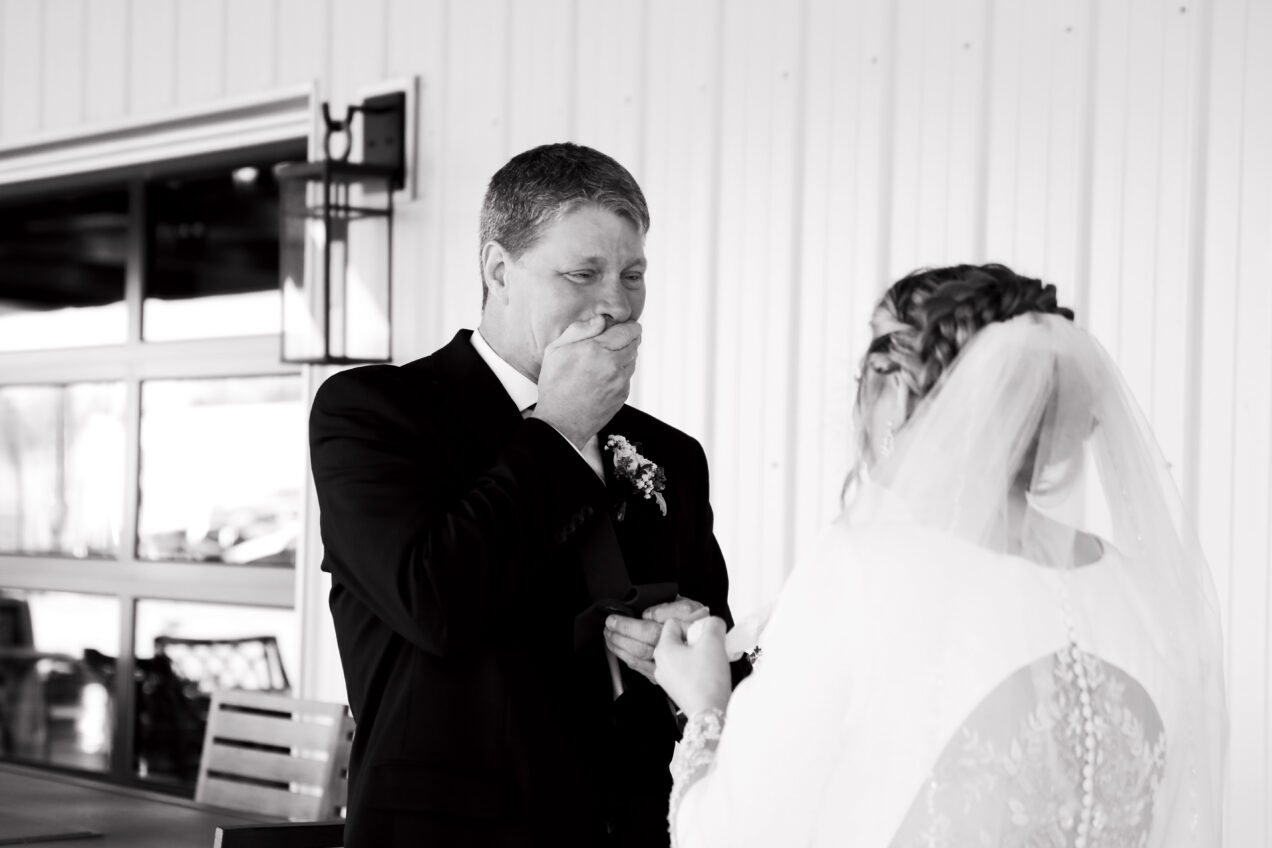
x: 584, y: 379
x: 695, y: 676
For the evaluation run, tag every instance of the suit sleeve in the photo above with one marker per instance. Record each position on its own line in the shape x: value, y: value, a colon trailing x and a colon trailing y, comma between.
x: 428, y: 554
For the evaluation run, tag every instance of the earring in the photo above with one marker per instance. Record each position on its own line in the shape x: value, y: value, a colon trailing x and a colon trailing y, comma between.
x: 889, y: 440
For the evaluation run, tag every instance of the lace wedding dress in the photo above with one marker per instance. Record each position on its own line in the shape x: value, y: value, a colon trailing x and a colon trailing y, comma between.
x: 924, y: 682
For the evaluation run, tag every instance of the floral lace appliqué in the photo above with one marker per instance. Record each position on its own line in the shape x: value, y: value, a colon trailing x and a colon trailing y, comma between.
x: 1066, y: 753
x: 693, y: 758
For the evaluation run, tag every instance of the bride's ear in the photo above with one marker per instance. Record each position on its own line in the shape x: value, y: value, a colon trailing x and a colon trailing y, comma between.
x: 900, y: 398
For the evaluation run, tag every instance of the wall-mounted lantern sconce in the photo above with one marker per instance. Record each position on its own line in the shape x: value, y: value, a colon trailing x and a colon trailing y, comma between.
x: 336, y: 236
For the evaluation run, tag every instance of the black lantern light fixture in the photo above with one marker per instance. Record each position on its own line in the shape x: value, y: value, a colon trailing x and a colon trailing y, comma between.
x: 336, y: 239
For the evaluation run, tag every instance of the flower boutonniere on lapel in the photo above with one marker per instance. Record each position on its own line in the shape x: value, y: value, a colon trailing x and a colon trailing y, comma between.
x: 644, y: 476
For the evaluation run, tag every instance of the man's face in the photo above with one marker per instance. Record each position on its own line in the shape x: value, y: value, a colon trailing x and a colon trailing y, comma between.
x: 589, y: 262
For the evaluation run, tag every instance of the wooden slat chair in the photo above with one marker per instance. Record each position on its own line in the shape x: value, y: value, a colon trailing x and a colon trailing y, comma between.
x: 276, y: 755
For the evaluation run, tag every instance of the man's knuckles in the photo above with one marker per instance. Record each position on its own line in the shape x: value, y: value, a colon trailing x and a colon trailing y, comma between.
x: 637, y: 628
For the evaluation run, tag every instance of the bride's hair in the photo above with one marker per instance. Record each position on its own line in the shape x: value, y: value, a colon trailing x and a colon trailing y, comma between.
x: 926, y: 318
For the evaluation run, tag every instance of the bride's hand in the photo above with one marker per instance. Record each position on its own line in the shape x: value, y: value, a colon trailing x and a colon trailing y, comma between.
x: 695, y: 676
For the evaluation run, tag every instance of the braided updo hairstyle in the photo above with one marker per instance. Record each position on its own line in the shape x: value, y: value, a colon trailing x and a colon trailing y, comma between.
x: 925, y: 319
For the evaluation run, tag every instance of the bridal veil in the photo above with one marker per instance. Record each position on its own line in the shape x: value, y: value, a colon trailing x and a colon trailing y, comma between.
x: 1036, y: 403
x: 959, y: 664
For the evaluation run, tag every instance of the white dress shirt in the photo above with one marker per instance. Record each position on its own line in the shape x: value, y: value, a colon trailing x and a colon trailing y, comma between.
x: 525, y: 394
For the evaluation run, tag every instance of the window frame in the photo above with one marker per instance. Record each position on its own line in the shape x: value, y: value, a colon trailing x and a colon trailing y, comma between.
x: 126, y: 577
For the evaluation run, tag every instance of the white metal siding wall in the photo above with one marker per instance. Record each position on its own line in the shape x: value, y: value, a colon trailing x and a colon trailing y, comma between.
x: 797, y: 156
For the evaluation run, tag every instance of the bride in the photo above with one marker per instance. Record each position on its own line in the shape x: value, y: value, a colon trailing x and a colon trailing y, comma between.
x: 1009, y: 638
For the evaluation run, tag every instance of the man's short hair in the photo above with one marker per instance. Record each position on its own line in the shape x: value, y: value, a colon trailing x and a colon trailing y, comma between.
x: 537, y: 187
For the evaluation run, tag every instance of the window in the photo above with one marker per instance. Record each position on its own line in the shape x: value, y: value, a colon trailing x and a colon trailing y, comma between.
x: 213, y: 255
x: 151, y: 456
x: 62, y: 271
x: 61, y: 469
x: 56, y: 694
x: 250, y: 447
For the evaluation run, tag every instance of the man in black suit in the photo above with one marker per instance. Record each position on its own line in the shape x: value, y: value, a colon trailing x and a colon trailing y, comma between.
x: 501, y: 563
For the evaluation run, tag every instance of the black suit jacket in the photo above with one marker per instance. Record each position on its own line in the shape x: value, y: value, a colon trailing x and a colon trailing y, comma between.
x: 457, y: 536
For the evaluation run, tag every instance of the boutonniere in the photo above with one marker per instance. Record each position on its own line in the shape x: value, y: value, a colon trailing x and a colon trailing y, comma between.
x: 645, y: 476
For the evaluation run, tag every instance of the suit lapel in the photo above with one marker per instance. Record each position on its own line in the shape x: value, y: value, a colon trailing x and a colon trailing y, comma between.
x: 633, y: 532
x: 489, y: 415
x: 620, y: 489
x: 613, y: 485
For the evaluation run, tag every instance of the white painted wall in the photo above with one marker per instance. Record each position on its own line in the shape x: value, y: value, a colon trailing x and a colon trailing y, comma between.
x: 798, y: 155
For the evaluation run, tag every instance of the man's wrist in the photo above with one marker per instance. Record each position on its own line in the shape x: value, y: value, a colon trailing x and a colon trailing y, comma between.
x: 577, y: 443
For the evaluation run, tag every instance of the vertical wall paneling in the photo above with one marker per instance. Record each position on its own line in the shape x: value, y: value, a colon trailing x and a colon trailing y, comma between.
x: 1083, y: 211
x: 1003, y: 166
x: 1037, y: 126
x: 865, y: 219
x: 1222, y: 210
x: 1142, y: 195
x: 954, y: 209
x: 1040, y: 36
x: 754, y: 357
x: 201, y: 51
x: 839, y: 244
x: 1069, y: 35
x: 609, y: 80
x: 823, y: 248
x: 907, y: 128
x: 418, y: 46
x: 1250, y: 663
x: 63, y: 75
x: 251, y: 45
x: 940, y: 89
x: 1172, y: 346
x: 21, y: 68
x: 474, y: 143
x: 303, y: 42
x: 152, y: 47
x: 681, y: 180
x: 1108, y: 189
x: 1199, y: 131
x: 542, y: 51
x: 107, y: 55
x: 782, y: 288
x: 729, y: 464
x: 907, y: 106
x: 359, y: 48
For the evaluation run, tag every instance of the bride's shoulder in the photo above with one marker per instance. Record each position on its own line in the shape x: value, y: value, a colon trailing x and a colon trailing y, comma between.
x: 849, y: 561
x: 912, y: 561
x: 867, y: 545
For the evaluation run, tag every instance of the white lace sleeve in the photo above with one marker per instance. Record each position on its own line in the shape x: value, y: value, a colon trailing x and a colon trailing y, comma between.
x: 693, y: 758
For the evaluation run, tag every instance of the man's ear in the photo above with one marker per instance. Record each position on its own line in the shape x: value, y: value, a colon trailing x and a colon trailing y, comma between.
x: 494, y: 267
